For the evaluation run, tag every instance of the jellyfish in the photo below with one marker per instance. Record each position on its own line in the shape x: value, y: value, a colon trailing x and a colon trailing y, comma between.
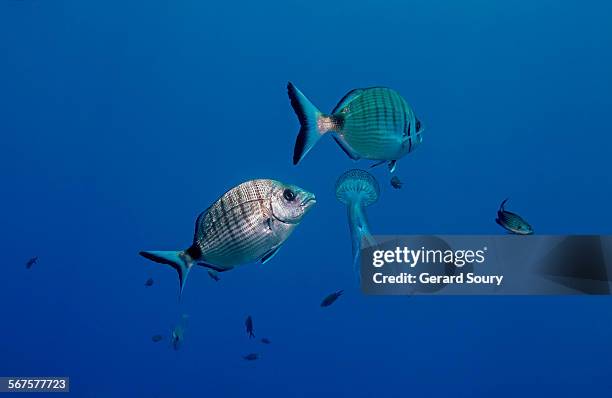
x: 357, y: 189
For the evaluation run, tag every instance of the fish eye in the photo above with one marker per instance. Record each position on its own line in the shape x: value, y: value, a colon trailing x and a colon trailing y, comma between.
x: 418, y: 125
x: 289, y: 195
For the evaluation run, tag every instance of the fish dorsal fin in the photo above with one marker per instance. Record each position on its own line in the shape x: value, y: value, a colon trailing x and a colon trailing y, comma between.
x: 199, y: 220
x: 350, y: 96
x: 503, y: 204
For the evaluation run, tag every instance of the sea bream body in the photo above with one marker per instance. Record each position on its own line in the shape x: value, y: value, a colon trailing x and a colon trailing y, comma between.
x: 247, y: 224
x: 372, y: 123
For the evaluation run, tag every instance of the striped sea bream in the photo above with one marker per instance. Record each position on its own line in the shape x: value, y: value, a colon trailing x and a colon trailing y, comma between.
x: 248, y: 223
x: 372, y: 123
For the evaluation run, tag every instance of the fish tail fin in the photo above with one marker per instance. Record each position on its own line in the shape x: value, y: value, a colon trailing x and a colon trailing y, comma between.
x: 179, y: 260
x: 309, y: 117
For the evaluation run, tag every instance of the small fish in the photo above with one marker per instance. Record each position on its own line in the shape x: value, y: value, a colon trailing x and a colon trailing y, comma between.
x: 149, y: 282
x: 214, y: 275
x: 178, y: 334
x: 251, y: 357
x: 249, y: 327
x: 372, y: 123
x: 31, y: 262
x: 157, y: 338
x: 512, y: 222
x: 265, y: 341
x: 248, y: 223
x: 396, y: 183
x: 177, y: 338
x: 329, y: 300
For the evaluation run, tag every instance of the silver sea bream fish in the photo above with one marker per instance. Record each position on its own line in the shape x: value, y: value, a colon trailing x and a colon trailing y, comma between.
x: 512, y: 222
x: 372, y: 123
x: 248, y: 223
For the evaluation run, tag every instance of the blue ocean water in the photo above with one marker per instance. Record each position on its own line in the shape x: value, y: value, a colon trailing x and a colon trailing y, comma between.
x: 121, y: 121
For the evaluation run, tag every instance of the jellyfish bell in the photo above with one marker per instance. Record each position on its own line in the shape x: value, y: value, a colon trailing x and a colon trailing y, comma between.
x: 357, y: 185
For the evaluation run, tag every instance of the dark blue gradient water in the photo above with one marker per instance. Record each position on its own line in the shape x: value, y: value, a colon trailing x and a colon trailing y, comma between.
x: 121, y: 121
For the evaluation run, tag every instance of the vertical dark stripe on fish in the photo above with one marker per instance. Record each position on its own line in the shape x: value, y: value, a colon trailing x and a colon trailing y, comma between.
x: 228, y: 221
x: 407, y: 122
x: 384, y: 109
x: 410, y: 129
x: 395, y: 114
x: 245, y: 221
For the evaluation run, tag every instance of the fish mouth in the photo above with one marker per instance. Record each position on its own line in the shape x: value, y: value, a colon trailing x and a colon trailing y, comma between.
x: 309, y: 201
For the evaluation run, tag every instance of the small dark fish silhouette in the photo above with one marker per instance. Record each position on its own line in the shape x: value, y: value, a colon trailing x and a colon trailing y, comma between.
x: 251, y: 357
x: 249, y: 327
x: 157, y: 338
x: 396, y: 183
x: 214, y: 275
x: 265, y: 341
x: 512, y: 222
x: 329, y: 300
x: 31, y: 262
x: 149, y: 282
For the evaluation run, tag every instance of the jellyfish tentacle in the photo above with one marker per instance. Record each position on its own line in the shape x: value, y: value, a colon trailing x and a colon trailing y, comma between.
x: 358, y: 225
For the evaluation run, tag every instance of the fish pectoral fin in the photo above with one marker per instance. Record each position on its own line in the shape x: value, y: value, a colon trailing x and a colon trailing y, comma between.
x: 392, y: 165
x: 213, y: 267
x: 268, y: 256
